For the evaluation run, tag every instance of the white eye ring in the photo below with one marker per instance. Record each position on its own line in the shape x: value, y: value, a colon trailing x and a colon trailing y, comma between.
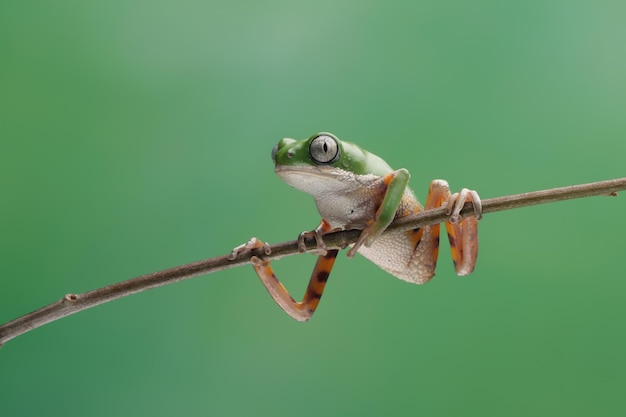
x: 324, y: 149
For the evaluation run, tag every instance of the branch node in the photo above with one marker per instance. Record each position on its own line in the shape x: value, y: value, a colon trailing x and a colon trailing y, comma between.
x: 71, y: 298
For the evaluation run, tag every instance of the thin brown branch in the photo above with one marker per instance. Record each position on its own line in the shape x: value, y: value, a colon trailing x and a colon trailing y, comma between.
x: 74, y: 303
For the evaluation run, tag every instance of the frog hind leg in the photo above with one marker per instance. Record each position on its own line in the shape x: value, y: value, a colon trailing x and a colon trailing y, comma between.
x: 462, y: 233
x: 463, y: 238
x: 304, y: 309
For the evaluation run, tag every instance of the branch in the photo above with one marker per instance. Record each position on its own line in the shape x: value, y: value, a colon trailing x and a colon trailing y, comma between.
x: 73, y: 303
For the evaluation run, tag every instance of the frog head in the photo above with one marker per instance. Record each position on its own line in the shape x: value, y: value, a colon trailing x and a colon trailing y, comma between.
x: 324, y: 152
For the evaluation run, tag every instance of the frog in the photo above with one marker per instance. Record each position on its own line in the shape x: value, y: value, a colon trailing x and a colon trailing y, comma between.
x: 356, y: 189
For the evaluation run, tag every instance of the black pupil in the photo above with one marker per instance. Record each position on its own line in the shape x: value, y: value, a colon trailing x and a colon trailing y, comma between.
x: 325, y: 146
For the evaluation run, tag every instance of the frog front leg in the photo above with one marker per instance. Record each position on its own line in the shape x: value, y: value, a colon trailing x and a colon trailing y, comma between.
x: 304, y: 309
x: 395, y: 184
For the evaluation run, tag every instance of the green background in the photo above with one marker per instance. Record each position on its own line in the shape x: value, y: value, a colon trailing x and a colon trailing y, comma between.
x: 136, y: 136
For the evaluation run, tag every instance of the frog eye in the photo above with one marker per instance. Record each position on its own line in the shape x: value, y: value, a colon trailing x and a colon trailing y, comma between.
x: 324, y: 149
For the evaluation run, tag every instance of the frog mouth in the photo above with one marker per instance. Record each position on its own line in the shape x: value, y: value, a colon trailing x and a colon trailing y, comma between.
x: 313, y: 170
x: 313, y: 179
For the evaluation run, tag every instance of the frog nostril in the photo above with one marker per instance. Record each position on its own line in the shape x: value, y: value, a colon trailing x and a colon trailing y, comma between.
x: 290, y: 154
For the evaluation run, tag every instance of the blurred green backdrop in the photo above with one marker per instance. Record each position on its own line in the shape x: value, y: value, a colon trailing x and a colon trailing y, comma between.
x: 136, y: 136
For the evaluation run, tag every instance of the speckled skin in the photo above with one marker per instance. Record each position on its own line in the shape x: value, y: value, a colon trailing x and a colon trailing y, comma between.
x: 350, y: 201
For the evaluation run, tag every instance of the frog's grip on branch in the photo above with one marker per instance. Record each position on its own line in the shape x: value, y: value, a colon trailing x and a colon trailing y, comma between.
x: 456, y: 202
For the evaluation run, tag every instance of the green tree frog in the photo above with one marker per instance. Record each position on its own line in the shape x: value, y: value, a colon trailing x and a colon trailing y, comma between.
x: 355, y: 189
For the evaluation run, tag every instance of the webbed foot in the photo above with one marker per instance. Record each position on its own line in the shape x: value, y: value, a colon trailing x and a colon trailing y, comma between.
x: 457, y: 201
x: 253, y: 243
x: 319, y: 241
